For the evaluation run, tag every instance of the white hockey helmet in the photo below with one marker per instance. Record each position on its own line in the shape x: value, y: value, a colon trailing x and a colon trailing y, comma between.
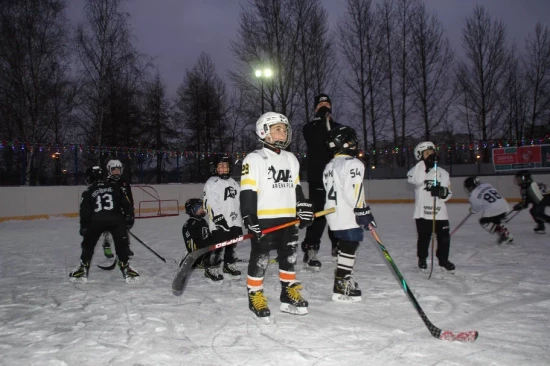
x: 265, y: 122
x: 113, y: 164
x: 421, y: 147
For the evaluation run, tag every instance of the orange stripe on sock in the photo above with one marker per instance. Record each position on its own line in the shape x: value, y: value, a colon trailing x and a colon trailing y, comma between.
x: 287, y: 276
x: 254, y: 282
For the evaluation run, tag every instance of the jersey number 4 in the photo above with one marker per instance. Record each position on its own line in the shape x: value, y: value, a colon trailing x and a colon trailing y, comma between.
x: 104, y: 202
x: 332, y: 195
x: 491, y: 196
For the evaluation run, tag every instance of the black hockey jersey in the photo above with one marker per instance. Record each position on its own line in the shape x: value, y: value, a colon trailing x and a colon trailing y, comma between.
x: 196, y: 234
x: 126, y: 188
x: 103, y: 200
x: 318, y: 155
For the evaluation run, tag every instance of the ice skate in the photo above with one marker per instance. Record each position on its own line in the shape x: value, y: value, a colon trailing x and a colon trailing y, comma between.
x: 257, y: 302
x: 292, y: 301
x: 213, y: 276
x: 422, y: 264
x: 311, y: 261
x: 540, y: 229
x: 230, y: 269
x: 129, y: 274
x: 346, y: 290
x: 80, y: 274
x: 447, y: 266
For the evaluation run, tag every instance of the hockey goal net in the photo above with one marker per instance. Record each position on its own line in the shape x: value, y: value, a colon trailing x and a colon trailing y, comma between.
x: 152, y: 206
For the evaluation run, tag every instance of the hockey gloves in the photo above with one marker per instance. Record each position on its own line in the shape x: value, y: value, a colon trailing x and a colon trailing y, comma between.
x: 364, y: 217
x: 304, y: 211
x: 130, y: 221
x: 438, y: 191
x: 220, y: 223
x: 430, y: 161
x: 82, y: 231
x: 251, y: 223
x: 518, y: 207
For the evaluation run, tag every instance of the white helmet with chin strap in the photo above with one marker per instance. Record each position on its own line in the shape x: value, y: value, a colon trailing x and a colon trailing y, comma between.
x: 421, y: 147
x: 113, y: 164
x: 265, y: 122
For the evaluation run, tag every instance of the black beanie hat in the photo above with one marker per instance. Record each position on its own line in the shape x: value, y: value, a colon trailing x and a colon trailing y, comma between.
x: 319, y: 99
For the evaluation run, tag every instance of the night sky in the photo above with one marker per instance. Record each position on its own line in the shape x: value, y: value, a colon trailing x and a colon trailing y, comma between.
x: 175, y: 32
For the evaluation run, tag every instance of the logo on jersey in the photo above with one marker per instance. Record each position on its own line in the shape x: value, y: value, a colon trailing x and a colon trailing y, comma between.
x: 281, y: 178
x: 229, y: 192
x: 428, y: 184
x: 233, y: 216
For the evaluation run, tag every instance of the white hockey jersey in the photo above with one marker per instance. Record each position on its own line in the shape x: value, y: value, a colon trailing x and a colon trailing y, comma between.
x: 343, y: 181
x: 221, y: 196
x: 423, y: 182
x: 487, y: 199
x: 274, y: 177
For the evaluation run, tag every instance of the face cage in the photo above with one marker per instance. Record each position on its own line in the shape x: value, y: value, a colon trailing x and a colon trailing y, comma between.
x: 115, y: 167
x: 223, y: 176
x: 195, y: 209
x: 278, y: 144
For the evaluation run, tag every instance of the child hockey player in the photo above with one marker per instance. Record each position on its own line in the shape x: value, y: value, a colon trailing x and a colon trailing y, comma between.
x: 221, y: 201
x: 103, y: 207
x: 535, y: 193
x: 114, y: 171
x: 343, y: 181
x: 197, y: 236
x: 422, y: 177
x: 484, y: 197
x: 271, y: 195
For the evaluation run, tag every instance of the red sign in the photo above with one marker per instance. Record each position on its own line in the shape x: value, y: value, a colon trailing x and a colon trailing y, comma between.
x: 505, y: 159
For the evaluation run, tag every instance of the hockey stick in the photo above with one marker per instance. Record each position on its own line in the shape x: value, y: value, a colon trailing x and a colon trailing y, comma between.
x: 146, y: 246
x: 508, y: 219
x: 187, y: 262
x: 433, y: 220
x: 461, y: 223
x: 110, y: 267
x: 446, y: 335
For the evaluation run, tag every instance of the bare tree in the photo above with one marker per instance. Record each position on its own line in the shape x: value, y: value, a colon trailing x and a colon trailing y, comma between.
x: 433, y: 60
x: 537, y: 74
x: 34, y: 67
x: 362, y: 42
x: 481, y: 76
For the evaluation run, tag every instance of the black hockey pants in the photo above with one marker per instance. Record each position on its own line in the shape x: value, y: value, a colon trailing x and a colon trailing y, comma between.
x: 424, y: 229
x: 116, y: 225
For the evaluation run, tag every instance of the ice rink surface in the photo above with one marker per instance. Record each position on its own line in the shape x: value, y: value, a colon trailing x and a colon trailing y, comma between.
x: 502, y: 291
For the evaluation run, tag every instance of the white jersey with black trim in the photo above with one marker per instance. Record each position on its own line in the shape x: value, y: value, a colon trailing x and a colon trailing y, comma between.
x: 274, y: 177
x: 343, y: 181
x: 487, y: 199
x: 221, y: 196
x: 423, y: 200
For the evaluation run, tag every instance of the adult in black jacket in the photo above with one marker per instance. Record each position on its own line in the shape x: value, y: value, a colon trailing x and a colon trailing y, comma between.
x: 318, y: 155
x: 104, y: 207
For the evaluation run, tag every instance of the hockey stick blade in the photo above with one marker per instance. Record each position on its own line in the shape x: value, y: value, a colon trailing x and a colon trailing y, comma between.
x: 109, y: 267
x: 470, y: 336
x: 178, y: 284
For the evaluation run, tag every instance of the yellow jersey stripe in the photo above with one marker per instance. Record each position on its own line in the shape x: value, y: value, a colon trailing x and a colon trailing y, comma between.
x: 248, y: 182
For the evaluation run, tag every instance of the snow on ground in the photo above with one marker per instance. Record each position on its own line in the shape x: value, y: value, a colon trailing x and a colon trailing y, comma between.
x: 501, y: 291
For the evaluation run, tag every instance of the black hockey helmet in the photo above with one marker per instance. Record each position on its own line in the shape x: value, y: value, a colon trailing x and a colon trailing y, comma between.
x: 471, y: 183
x: 342, y: 140
x: 219, y: 158
x: 93, y: 174
x: 523, y: 176
x: 192, y: 207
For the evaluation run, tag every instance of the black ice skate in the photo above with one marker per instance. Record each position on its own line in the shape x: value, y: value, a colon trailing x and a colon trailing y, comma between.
x: 213, y: 276
x: 292, y: 301
x: 129, y: 274
x: 80, y: 274
x: 258, y: 304
x: 422, y: 264
x: 445, y: 264
x: 107, y: 250
x: 346, y: 290
x: 231, y: 270
x: 540, y: 229
x: 311, y: 261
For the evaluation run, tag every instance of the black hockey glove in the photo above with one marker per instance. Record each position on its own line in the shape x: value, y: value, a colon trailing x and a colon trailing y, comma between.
x: 220, y: 223
x: 438, y: 191
x: 253, y: 227
x: 129, y: 221
x: 430, y: 162
x: 518, y: 207
x: 82, y: 231
x: 304, y: 211
x: 364, y: 217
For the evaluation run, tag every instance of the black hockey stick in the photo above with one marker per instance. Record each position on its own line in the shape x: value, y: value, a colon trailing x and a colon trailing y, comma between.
x: 433, y: 221
x: 186, y: 263
x: 461, y: 223
x: 446, y: 335
x: 110, y: 266
x: 146, y: 246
